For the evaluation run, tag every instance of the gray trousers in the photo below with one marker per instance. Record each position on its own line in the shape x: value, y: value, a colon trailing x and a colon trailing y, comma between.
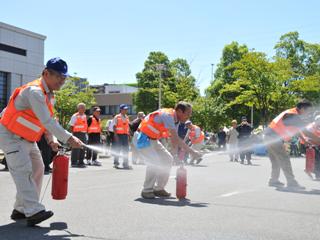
x: 279, y: 160
x: 121, y: 148
x: 159, y: 162
x: 26, y: 168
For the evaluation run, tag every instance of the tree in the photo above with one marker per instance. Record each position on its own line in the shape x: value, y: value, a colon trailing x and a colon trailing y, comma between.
x: 231, y: 53
x: 305, y: 61
x: 68, y: 97
x: 304, y: 57
x: 260, y: 83
x: 177, y: 83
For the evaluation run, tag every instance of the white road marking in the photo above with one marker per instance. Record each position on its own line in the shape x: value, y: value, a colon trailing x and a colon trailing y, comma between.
x: 229, y: 194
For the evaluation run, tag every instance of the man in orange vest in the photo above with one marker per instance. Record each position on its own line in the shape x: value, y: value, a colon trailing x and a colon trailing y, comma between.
x: 27, y: 116
x: 121, y: 137
x: 282, y: 128
x: 79, y: 128
x: 94, y: 132
x: 196, y: 137
x: 157, y: 158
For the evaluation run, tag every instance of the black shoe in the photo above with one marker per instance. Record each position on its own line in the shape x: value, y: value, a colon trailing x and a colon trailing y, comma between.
x: 16, y: 215
x: 199, y: 160
x: 39, y: 217
x: 127, y: 167
x: 81, y: 165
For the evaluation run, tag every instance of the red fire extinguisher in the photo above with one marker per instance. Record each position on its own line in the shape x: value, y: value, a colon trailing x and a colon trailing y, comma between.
x: 60, y: 172
x: 181, y: 185
x: 310, y: 160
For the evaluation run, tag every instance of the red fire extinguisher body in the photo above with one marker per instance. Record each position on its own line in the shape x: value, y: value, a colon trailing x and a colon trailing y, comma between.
x: 60, y: 172
x: 310, y: 159
x: 181, y: 187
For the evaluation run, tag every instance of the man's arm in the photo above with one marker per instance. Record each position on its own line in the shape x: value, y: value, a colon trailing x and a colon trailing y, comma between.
x: 178, y: 142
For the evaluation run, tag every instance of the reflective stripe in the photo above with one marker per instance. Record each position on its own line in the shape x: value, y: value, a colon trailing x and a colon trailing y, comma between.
x: 28, y: 124
x: 153, y: 129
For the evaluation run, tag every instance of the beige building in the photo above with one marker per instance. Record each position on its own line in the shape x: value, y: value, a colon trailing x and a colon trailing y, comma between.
x: 110, y: 96
x: 21, y: 58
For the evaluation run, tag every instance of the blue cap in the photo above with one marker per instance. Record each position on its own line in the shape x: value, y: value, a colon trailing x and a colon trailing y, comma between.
x: 123, y: 107
x: 58, y: 65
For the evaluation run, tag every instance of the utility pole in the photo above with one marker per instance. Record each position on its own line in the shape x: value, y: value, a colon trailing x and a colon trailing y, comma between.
x: 252, y: 115
x: 160, y: 68
x: 212, y: 71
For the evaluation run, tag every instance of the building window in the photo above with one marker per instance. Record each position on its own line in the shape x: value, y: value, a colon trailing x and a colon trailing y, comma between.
x: 3, y: 90
x: 11, y: 49
x: 115, y: 109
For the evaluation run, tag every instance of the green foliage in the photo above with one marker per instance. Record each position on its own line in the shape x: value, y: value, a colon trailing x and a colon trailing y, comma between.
x: 68, y: 97
x: 258, y: 83
x: 177, y: 83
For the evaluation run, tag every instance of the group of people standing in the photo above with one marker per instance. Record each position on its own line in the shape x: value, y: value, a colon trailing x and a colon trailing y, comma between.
x: 239, y: 141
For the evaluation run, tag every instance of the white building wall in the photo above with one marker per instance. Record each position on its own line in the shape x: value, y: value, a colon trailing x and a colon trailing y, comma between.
x: 117, y: 88
x: 21, y: 69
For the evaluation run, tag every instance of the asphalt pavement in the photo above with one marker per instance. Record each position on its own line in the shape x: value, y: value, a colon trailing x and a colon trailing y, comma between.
x: 226, y: 201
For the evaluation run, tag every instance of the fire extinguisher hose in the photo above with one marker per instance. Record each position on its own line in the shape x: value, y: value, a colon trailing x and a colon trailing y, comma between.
x: 45, y: 190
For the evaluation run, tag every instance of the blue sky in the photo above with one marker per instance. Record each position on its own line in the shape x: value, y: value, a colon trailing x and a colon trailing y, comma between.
x: 108, y: 41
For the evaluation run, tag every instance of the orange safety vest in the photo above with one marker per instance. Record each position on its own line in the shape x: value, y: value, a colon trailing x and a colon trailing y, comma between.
x: 81, y: 123
x: 122, y: 127
x: 25, y: 123
x: 286, y: 132
x: 192, y: 135
x: 94, y: 126
x: 166, y: 134
x: 153, y: 129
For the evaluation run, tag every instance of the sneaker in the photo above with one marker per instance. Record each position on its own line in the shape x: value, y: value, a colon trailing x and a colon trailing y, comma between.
x: 276, y: 184
x: 161, y: 193
x: 242, y: 162
x: 249, y: 162
x: 96, y: 163
x: 89, y: 162
x: 39, y: 217
x: 148, y: 195
x: 16, y: 215
x: 295, y: 186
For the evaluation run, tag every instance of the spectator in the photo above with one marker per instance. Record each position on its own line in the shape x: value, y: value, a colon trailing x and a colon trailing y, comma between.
x: 121, y: 137
x: 222, y: 139
x: 79, y: 128
x: 294, y: 146
x: 232, y: 140
x: 109, y: 131
x: 94, y: 136
x: 244, y: 130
